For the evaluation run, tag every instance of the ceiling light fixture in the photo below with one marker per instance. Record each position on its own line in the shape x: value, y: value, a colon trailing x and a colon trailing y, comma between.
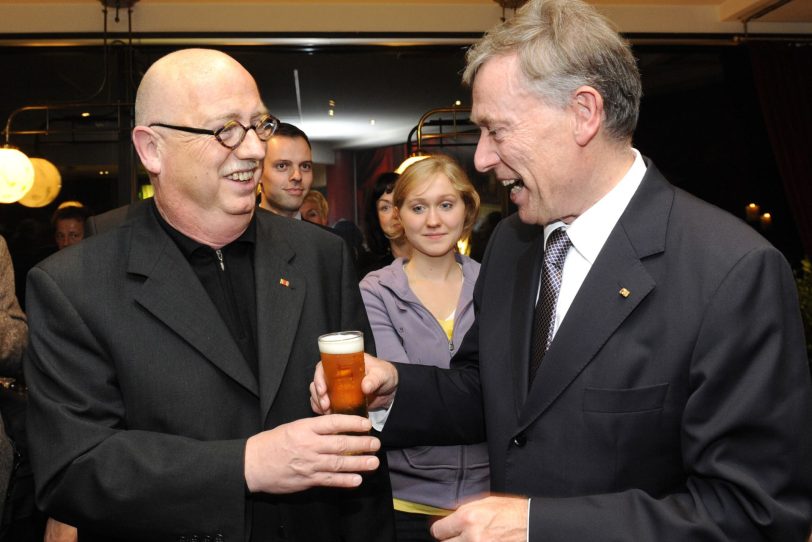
x: 47, y: 184
x: 510, y: 4
x: 16, y: 174
x: 20, y: 175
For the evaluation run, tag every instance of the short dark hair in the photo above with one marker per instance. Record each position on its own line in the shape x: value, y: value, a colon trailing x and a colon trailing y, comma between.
x: 288, y: 130
x: 71, y: 212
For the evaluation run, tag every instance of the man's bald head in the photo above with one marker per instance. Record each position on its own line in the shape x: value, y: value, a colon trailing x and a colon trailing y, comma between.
x: 174, y: 80
x: 204, y: 188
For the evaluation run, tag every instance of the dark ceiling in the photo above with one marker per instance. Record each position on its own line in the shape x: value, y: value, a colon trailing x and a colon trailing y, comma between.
x: 392, y: 86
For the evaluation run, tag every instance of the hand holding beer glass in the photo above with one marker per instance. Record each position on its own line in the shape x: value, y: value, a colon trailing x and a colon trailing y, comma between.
x: 342, y: 358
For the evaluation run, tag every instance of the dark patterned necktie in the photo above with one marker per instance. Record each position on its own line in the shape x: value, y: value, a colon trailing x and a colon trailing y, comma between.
x: 558, y: 244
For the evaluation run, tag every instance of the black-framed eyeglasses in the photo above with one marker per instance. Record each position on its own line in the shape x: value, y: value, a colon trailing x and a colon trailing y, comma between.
x: 231, y: 134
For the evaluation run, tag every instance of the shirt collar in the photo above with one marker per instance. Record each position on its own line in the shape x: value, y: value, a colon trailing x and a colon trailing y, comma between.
x: 188, y: 245
x: 589, y: 231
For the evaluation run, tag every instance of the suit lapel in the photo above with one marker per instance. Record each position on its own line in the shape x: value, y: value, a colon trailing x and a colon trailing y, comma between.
x: 597, y: 311
x: 527, y: 281
x: 599, y: 308
x: 174, y: 295
x: 281, y: 290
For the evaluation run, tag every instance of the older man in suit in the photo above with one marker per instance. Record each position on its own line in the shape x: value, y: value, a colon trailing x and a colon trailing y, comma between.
x: 170, y: 356
x: 658, y: 389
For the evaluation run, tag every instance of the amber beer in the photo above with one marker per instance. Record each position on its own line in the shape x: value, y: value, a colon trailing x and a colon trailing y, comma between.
x: 342, y: 357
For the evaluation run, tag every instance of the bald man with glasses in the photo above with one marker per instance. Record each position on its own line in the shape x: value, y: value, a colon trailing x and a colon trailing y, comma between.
x: 157, y: 410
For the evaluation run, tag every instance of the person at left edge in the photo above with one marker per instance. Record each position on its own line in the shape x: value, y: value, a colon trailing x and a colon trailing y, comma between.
x: 172, y: 403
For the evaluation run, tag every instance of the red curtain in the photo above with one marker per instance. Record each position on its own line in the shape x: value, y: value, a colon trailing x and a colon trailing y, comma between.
x: 340, y: 182
x: 357, y: 168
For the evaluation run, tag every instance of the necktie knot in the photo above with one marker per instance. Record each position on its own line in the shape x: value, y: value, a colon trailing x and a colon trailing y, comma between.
x: 558, y: 244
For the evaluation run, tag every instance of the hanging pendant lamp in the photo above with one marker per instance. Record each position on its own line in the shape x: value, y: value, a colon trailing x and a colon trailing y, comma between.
x: 16, y: 174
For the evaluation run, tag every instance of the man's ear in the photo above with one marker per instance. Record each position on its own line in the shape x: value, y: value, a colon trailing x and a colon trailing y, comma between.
x: 146, y: 144
x: 588, y: 106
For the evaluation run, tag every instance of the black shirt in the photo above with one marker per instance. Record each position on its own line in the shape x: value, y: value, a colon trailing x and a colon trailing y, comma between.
x: 227, y: 275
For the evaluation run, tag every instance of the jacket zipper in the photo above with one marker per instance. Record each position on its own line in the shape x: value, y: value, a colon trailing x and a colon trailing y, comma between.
x: 219, y: 254
x: 431, y: 316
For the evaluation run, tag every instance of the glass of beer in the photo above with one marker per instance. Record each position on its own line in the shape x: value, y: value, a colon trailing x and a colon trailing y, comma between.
x: 342, y: 357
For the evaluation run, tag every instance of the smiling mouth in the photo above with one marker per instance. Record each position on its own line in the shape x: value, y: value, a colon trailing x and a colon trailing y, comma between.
x: 241, y: 176
x: 514, y: 185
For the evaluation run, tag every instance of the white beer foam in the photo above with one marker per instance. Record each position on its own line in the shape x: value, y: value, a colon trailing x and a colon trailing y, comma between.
x: 338, y: 343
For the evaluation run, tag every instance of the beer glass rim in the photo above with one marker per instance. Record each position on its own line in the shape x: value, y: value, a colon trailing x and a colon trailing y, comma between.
x: 342, y: 335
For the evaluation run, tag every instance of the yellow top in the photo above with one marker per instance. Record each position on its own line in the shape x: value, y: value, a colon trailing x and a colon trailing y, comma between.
x: 448, y: 325
x: 417, y: 508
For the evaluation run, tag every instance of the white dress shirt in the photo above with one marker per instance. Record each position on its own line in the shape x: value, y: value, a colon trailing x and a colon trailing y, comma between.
x: 589, y: 232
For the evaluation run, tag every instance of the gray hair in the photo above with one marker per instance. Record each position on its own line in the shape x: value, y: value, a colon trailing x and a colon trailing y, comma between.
x: 562, y: 45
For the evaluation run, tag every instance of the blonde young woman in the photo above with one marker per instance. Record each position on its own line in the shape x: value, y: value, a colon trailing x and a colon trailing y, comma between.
x: 420, y: 308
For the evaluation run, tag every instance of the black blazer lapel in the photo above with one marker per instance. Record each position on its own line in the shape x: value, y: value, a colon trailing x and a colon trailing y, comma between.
x: 281, y: 290
x: 600, y: 308
x: 174, y: 295
x: 528, y: 274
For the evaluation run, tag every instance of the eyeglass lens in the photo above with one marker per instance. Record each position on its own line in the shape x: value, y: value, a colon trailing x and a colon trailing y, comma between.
x: 232, y: 134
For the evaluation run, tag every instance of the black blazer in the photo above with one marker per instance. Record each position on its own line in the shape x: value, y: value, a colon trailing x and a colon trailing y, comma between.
x: 678, y: 413
x: 140, y: 400
x: 103, y: 222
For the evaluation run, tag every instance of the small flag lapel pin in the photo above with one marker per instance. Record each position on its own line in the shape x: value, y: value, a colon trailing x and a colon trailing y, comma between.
x: 624, y: 292
x: 285, y: 283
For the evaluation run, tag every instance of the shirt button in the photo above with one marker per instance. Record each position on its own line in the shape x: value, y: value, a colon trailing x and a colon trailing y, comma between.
x: 519, y: 440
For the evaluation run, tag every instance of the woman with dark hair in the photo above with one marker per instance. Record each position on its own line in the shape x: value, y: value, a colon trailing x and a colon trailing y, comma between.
x: 382, y: 234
